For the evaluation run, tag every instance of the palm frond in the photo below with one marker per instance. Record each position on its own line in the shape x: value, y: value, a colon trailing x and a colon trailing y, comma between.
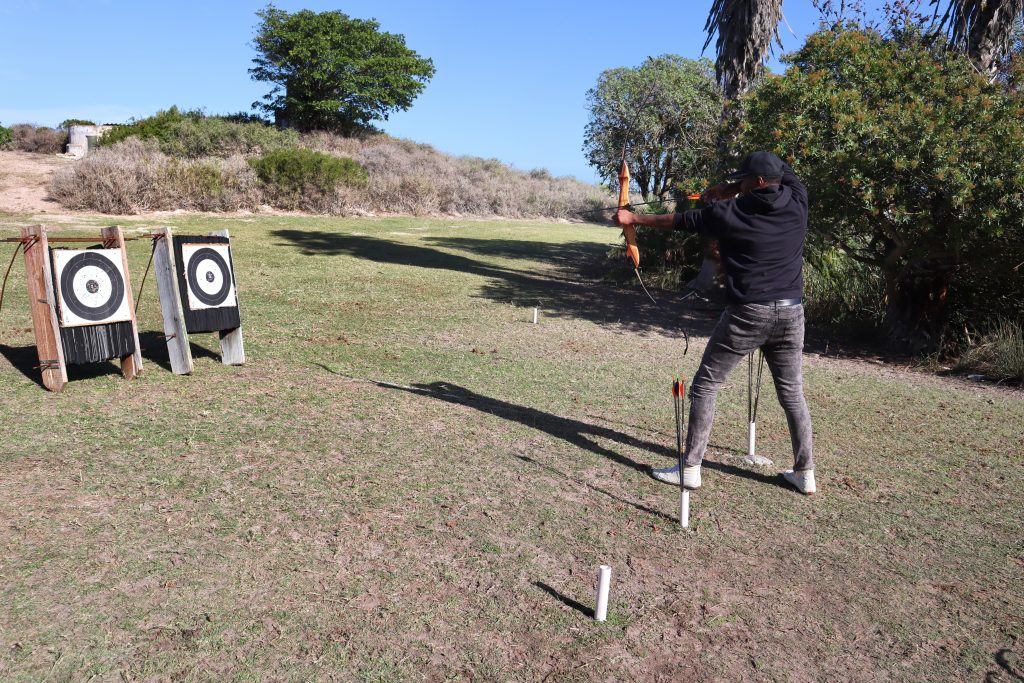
x: 745, y: 30
x: 982, y: 28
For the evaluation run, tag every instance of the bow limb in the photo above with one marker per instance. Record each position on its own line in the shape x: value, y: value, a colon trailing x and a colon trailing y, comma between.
x: 628, y: 231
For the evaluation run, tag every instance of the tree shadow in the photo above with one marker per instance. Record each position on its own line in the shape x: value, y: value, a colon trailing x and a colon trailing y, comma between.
x: 566, y: 256
x: 561, y: 292
x: 565, y: 600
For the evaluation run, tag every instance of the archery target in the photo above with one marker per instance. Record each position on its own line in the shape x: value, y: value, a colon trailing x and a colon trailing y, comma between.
x: 91, y: 287
x: 208, y: 275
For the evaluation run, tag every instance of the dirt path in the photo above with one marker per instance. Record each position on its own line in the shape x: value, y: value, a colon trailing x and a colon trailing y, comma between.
x: 23, y: 181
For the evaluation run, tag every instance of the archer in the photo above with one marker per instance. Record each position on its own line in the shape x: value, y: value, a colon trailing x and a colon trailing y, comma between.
x: 760, y: 220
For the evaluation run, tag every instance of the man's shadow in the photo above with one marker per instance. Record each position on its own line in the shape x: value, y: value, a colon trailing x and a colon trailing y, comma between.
x: 576, y: 432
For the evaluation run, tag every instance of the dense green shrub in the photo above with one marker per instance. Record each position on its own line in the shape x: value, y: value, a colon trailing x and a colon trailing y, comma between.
x: 913, y: 165
x: 5, y: 136
x: 192, y: 134
x: 294, y: 172
x: 67, y: 123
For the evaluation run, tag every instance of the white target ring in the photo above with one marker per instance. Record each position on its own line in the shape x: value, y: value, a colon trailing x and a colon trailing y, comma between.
x: 90, y: 287
x: 208, y: 277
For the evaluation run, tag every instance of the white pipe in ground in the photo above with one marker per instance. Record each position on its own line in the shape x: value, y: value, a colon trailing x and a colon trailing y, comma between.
x: 604, y: 581
x: 752, y: 457
x: 535, y: 316
x: 684, y: 509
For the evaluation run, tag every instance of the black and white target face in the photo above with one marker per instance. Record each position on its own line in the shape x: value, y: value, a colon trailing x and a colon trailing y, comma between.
x: 91, y: 287
x: 208, y: 275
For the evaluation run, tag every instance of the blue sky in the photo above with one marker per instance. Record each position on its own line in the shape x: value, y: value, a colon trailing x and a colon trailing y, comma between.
x: 511, y: 77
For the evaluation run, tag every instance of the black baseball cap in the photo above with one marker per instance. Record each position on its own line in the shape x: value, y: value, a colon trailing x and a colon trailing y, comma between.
x: 764, y: 164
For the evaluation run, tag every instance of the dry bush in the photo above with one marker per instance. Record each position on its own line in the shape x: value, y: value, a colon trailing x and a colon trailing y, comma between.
x: 404, y: 178
x: 135, y: 176
x: 38, y: 139
x: 411, y: 178
x: 998, y: 353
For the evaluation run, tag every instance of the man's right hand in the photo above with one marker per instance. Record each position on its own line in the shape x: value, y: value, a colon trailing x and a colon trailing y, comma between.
x: 721, y: 191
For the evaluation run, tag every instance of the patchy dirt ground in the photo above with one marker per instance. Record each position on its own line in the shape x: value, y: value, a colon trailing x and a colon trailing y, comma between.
x: 23, y: 181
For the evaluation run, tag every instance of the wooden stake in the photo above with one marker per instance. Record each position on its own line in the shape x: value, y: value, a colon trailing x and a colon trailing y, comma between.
x: 178, y: 349
x: 42, y: 303
x: 232, y: 348
x: 131, y: 366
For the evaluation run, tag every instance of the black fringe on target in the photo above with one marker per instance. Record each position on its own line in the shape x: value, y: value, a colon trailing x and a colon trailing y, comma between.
x: 95, y: 343
x: 204, y: 319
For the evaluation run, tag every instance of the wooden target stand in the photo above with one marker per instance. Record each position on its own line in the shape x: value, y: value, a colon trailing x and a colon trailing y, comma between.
x: 43, y: 302
x: 173, y: 284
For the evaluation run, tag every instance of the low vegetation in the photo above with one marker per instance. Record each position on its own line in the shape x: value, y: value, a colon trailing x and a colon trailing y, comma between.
x: 194, y: 135
x: 25, y: 137
x: 247, y: 164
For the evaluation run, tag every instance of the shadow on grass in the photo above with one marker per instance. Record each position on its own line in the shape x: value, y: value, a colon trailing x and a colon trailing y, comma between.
x: 1003, y: 660
x: 576, y: 432
x: 25, y: 359
x: 598, y: 489
x: 558, y: 292
x: 153, y: 346
x: 565, y: 600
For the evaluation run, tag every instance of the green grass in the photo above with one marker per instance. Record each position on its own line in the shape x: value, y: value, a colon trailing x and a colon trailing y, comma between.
x: 293, y: 520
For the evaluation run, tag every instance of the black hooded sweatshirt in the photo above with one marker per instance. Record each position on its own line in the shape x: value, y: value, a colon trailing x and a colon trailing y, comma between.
x: 761, y: 239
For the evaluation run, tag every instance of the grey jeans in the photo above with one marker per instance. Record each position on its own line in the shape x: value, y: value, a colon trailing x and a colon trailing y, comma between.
x: 779, y: 332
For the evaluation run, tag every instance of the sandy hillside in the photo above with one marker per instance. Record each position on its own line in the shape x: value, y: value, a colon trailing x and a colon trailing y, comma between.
x: 23, y: 181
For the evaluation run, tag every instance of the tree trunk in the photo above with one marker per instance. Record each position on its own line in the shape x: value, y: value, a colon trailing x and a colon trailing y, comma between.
x: 916, y: 305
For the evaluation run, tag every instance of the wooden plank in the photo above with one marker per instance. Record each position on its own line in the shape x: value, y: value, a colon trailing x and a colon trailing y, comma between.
x: 232, y: 347
x: 131, y: 366
x: 44, y: 308
x: 178, y: 349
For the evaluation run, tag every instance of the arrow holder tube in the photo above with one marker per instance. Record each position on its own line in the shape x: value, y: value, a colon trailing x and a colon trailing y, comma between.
x: 604, y: 582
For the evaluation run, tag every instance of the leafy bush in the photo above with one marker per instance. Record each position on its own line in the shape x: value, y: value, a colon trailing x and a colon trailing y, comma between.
x: 5, y: 136
x: 911, y: 158
x: 67, y: 123
x: 303, y: 178
x: 192, y: 134
x: 38, y: 139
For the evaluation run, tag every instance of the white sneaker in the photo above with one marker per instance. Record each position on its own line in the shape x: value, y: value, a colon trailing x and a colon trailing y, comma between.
x: 803, y: 480
x: 670, y: 475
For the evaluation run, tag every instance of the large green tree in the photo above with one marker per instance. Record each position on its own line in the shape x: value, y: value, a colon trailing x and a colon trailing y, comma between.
x: 745, y: 30
x: 911, y: 156
x: 332, y: 72
x: 664, y: 115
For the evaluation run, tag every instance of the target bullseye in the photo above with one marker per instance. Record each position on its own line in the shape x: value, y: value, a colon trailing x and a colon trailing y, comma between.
x: 208, y: 276
x: 91, y: 287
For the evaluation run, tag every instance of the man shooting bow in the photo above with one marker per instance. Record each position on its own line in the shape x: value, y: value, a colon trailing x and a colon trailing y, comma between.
x: 761, y: 235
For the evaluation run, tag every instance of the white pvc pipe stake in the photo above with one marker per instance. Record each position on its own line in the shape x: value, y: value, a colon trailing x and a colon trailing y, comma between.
x: 604, y: 581
x: 684, y: 509
x: 752, y: 456
x: 535, y: 316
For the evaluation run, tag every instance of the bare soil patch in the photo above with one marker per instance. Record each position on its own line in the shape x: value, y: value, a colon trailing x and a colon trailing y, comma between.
x: 23, y: 182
